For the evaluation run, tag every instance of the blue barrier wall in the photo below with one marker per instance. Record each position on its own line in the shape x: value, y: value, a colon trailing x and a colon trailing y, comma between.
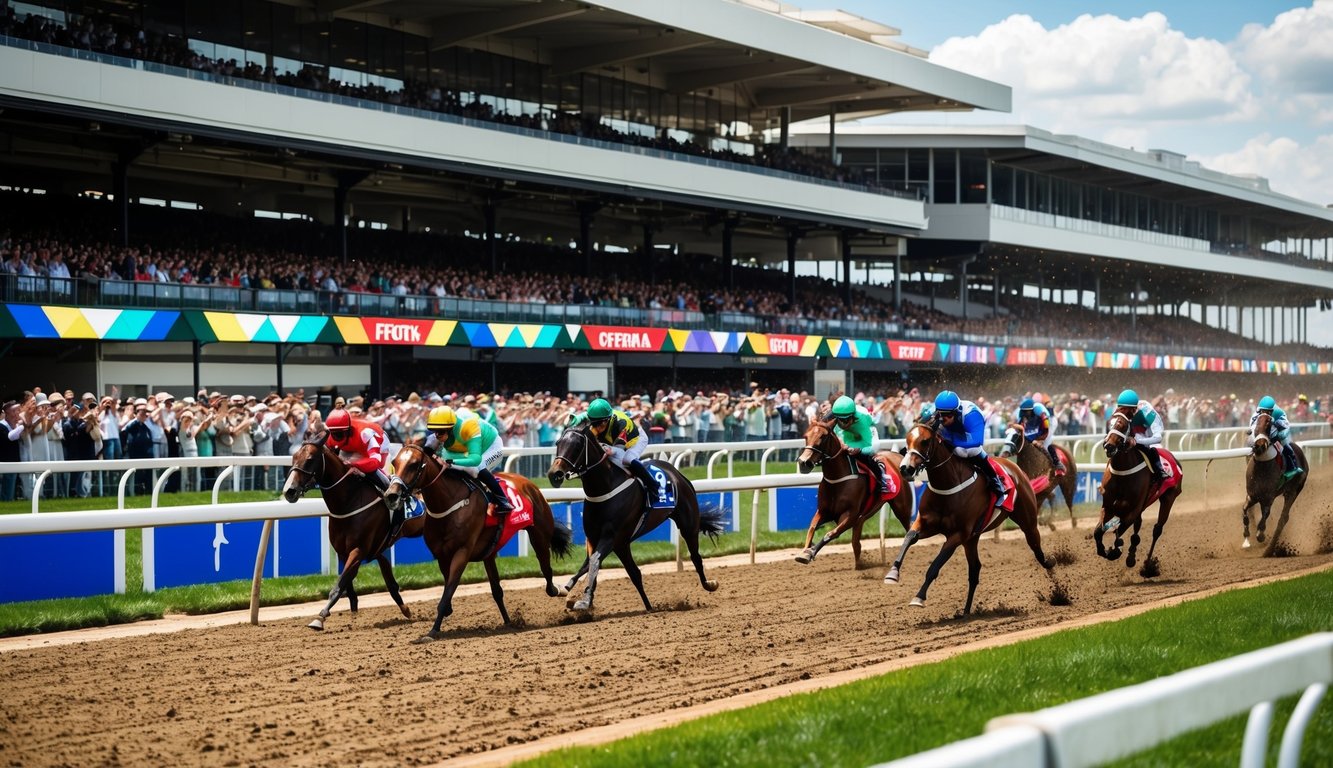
x: 51, y: 565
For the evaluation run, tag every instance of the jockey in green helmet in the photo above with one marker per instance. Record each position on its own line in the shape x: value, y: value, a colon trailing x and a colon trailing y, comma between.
x: 856, y: 429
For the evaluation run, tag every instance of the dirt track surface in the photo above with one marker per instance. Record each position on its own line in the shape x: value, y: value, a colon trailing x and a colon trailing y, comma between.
x: 362, y: 693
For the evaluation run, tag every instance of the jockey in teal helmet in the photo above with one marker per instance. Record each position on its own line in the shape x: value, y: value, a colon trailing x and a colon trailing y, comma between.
x: 1279, y: 431
x: 1145, y: 428
x: 856, y: 429
x: 1036, y: 422
x: 962, y: 427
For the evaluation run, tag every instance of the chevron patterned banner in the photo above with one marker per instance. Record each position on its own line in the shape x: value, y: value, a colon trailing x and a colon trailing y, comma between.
x: 28, y: 321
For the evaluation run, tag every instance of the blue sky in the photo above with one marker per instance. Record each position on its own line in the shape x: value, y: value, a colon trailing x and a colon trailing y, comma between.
x: 1242, y: 87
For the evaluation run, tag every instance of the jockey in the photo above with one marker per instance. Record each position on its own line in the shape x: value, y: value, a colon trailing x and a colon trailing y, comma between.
x: 1145, y: 428
x: 857, y: 431
x: 471, y: 446
x: 625, y: 441
x: 1036, y: 421
x: 963, y: 427
x: 363, y: 443
x: 1279, y: 431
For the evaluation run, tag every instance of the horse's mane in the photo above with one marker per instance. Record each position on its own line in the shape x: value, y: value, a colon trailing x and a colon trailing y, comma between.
x: 319, y: 438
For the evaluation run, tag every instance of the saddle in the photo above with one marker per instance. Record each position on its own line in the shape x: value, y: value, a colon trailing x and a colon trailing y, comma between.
x: 663, y: 495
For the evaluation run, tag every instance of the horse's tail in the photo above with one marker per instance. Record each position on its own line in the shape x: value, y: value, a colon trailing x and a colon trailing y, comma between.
x: 562, y: 539
x: 713, y: 519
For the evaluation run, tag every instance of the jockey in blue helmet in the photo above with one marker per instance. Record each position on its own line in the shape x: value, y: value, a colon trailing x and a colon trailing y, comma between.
x: 1145, y: 428
x: 1279, y: 432
x: 856, y: 429
x: 1036, y: 421
x: 962, y: 427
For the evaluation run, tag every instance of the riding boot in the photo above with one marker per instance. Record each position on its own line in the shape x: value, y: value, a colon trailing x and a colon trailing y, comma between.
x: 397, y: 512
x: 1293, y: 467
x: 877, y: 470
x: 981, y: 463
x: 1055, y: 459
x: 496, y: 493
x: 641, y: 473
x: 1155, y: 463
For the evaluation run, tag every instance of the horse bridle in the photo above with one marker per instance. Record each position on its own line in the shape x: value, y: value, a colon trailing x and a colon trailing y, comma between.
x: 588, y: 464
x: 823, y: 454
x: 1011, y: 443
x: 1123, y: 434
x: 398, y: 480
x: 925, y: 460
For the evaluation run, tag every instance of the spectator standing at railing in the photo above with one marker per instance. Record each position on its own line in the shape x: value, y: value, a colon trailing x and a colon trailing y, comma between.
x: 79, y: 427
x: 36, y: 439
x: 189, y: 446
x: 138, y: 437
x: 12, y: 427
x: 55, y: 443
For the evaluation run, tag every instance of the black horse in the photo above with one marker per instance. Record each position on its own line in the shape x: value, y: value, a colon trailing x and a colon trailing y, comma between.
x: 615, y: 514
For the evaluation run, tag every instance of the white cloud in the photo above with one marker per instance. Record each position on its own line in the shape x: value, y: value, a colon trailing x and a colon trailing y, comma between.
x: 1100, y: 71
x: 1295, y: 53
x: 1299, y: 170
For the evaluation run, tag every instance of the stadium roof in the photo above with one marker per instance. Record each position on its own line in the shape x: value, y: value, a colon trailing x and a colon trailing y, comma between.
x: 774, y: 54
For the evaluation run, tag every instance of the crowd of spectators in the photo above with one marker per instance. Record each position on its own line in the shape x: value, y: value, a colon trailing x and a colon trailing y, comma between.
x: 48, y: 236
x: 105, y: 36
x: 56, y: 426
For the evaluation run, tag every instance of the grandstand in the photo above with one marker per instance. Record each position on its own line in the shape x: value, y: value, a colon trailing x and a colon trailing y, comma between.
x: 353, y: 194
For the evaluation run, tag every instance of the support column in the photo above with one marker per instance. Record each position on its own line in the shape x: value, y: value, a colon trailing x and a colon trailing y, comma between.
x: 728, y: 269
x: 648, y: 253
x: 278, y: 358
x: 793, y: 237
x: 833, y: 135
x: 586, y: 213
x: 784, y: 132
x: 121, y: 185
x: 898, y: 283
x: 489, y: 211
x: 995, y: 296
x: 845, y: 240
x: 1097, y: 292
x: 962, y: 284
x: 196, y: 350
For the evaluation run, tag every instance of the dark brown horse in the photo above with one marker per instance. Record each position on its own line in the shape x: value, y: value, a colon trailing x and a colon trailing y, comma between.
x: 1264, y: 482
x: 456, y: 530
x: 614, y: 513
x: 845, y: 490
x: 957, y: 503
x: 1035, y: 462
x: 1127, y: 490
x: 358, y: 519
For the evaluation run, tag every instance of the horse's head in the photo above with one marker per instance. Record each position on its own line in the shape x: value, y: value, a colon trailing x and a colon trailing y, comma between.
x: 820, y: 445
x: 1260, y: 432
x: 409, y: 473
x: 576, y: 452
x: 921, y: 443
x: 1117, y: 433
x: 309, y: 464
x: 1013, y: 440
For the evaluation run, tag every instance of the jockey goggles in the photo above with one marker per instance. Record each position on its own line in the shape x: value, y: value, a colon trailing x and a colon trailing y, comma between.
x: 339, y: 434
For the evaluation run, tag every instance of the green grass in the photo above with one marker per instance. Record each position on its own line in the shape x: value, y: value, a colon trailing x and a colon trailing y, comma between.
x: 135, y: 605
x: 906, y: 712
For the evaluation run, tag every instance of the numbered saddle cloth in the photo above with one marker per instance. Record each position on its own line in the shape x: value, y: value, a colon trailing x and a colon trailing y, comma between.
x: 663, y: 494
x: 517, y: 520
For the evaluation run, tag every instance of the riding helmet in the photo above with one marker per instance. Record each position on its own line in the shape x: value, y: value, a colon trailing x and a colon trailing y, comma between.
x: 947, y: 401
x: 441, y: 417
x: 599, y: 409
x: 1267, y: 403
x: 1026, y: 405
x: 1128, y: 397
x: 338, y: 419
x: 844, y: 408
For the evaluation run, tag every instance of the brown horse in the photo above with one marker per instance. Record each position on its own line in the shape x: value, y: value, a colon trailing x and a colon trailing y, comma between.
x: 957, y: 503
x: 1035, y: 462
x: 1264, y: 482
x: 456, y: 530
x: 614, y: 514
x: 358, y: 519
x: 1127, y: 490
x: 844, y: 491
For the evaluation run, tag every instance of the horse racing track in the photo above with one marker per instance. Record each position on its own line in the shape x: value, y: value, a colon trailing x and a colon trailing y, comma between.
x: 361, y: 692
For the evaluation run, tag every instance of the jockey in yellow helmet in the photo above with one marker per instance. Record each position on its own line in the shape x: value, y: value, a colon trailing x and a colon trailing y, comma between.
x: 469, y: 445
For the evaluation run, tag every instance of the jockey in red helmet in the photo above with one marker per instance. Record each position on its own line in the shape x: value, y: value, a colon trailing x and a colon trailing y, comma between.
x: 363, y: 446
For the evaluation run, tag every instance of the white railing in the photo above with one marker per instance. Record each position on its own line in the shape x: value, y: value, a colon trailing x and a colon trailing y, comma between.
x: 1126, y: 721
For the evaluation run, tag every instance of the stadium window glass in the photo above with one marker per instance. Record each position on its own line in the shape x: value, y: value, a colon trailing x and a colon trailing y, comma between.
x: 347, y: 51
x: 258, y: 31
x: 216, y: 21
x: 972, y: 174
x: 918, y: 169
x: 24, y: 10
x: 893, y: 167
x: 1002, y: 184
x: 946, y: 176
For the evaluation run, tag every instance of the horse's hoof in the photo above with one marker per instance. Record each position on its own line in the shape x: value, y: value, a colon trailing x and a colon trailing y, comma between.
x: 805, y: 557
x: 710, y: 585
x: 917, y: 603
x: 891, y: 577
x: 1259, y: 538
x: 1129, y: 561
x: 1073, y: 523
x: 424, y: 639
x: 317, y: 625
x: 1113, y: 554
x: 581, y: 605
x: 407, y: 612
x: 553, y: 591
x: 1245, y: 544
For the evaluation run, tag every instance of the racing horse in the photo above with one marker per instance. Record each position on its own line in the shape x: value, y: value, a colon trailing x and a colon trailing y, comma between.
x: 358, y: 519
x: 614, y: 513
x: 1036, y: 464
x: 456, y: 528
x: 1264, y: 481
x: 846, y: 490
x: 957, y: 503
x: 1128, y: 490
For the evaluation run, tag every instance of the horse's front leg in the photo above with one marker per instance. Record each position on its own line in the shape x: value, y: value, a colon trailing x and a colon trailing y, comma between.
x: 344, y: 582
x: 497, y: 592
x: 1265, y: 509
x: 1097, y: 533
x: 895, y: 573
x: 808, y: 553
x: 386, y: 570
x: 594, y: 566
x: 933, y: 571
x: 844, y: 522
x: 1131, y: 558
x: 1245, y: 522
x: 453, y: 573
x: 568, y: 589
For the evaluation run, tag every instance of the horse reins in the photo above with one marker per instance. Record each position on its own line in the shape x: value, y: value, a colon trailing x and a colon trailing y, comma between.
x: 574, y: 471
